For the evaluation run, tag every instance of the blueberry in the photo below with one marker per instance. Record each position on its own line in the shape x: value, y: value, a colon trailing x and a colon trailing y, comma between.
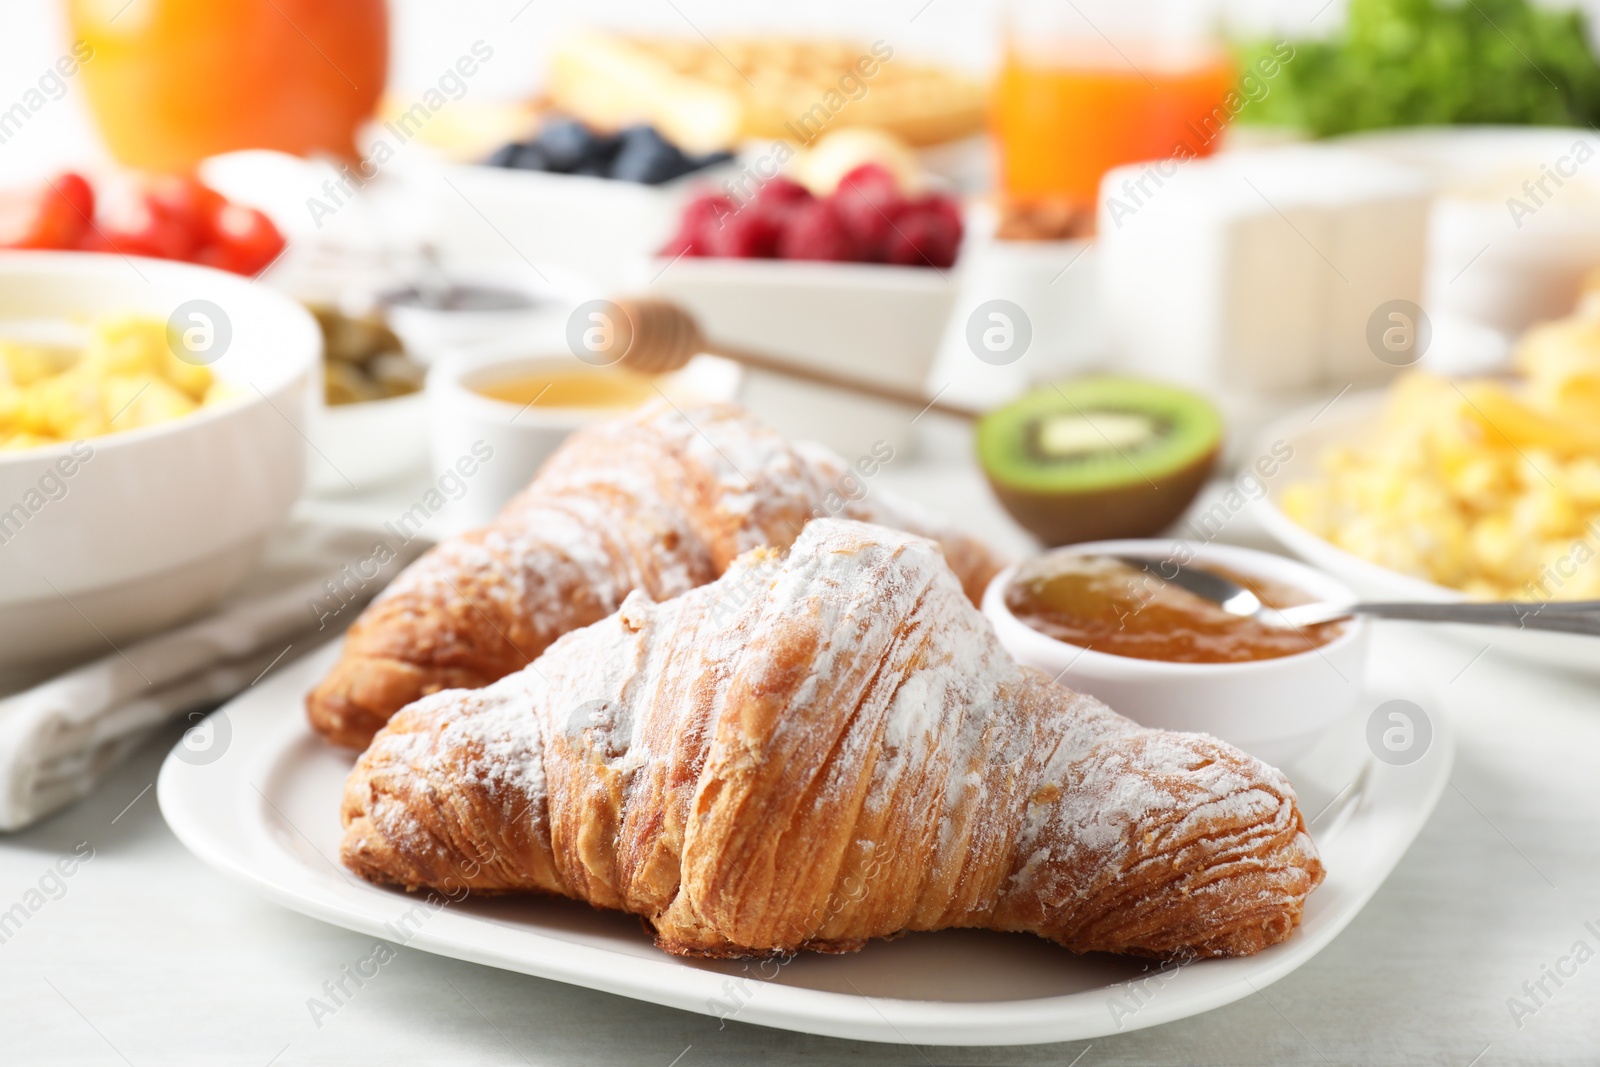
x: 531, y: 157
x: 647, y: 157
x: 566, y: 144
x: 606, y: 149
x: 504, y: 156
x: 644, y: 135
x: 710, y: 159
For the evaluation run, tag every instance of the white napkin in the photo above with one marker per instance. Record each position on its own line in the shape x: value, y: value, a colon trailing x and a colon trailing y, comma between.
x: 60, y: 737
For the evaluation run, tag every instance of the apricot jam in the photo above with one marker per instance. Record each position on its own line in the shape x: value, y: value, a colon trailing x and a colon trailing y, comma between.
x: 1101, y: 603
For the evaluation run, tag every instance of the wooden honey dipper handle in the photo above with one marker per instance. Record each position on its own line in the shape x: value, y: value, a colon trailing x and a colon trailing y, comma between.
x: 664, y: 337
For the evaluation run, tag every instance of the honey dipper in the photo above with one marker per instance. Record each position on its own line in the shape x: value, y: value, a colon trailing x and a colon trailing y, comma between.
x: 664, y: 337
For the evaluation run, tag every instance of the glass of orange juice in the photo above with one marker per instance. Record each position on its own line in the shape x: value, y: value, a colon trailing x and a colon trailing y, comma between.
x: 1091, y: 85
x: 171, y: 82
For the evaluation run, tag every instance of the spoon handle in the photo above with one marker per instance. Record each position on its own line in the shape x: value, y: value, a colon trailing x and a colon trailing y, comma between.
x: 1576, y: 617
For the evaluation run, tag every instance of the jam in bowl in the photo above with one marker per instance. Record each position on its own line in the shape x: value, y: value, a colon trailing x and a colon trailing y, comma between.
x: 1111, y: 605
x: 1168, y: 658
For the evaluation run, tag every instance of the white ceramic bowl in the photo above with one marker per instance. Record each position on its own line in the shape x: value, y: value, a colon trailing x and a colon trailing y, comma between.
x: 590, y: 225
x: 1275, y: 709
x: 161, y: 521
x: 486, y: 450
x: 1056, y: 285
x: 551, y: 293
x: 871, y: 321
x: 357, y: 447
x: 1353, y: 419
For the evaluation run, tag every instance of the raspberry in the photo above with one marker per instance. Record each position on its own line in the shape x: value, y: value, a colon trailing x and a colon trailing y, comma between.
x: 705, y: 213
x: 867, y: 222
x: 866, y: 199
x: 948, y: 206
x: 781, y: 193
x: 925, y: 234
x: 815, y: 231
x: 747, y: 234
x: 874, y: 181
x: 702, y: 217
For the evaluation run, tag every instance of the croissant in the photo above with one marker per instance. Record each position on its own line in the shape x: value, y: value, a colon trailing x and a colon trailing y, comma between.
x: 660, y: 501
x: 815, y: 751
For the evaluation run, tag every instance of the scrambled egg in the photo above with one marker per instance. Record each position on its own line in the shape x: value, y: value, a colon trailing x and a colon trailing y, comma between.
x: 1489, y: 486
x: 125, y: 376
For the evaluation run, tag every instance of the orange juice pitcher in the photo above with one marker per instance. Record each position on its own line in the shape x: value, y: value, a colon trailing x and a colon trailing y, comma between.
x: 1086, y: 87
x: 171, y: 82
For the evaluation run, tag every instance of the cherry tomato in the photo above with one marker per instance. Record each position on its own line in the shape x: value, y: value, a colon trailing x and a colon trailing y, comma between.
x: 165, y: 217
x: 247, y: 238
x: 135, y: 228
x: 77, y: 191
x: 47, y: 217
x: 187, y: 203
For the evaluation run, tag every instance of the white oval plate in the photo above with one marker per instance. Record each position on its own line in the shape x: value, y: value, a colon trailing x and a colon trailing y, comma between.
x: 265, y: 810
x: 1313, y: 430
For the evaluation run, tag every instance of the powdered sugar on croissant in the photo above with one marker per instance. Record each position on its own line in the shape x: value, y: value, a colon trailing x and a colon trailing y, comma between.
x: 845, y: 753
x: 660, y: 501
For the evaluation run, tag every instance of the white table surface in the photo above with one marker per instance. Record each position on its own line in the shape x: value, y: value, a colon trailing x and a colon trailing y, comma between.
x: 151, y: 958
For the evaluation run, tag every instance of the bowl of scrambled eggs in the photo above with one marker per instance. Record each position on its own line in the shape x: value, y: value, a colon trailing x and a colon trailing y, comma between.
x: 151, y: 432
x: 1459, y: 489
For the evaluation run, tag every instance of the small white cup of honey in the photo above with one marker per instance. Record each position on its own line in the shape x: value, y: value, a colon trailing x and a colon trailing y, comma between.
x: 1144, y: 648
x: 497, y: 411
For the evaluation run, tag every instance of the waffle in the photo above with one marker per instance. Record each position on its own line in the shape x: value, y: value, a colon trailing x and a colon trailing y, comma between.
x: 707, y: 96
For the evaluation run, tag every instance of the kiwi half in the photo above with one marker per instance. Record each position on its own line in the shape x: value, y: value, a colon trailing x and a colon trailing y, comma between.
x: 1099, y: 458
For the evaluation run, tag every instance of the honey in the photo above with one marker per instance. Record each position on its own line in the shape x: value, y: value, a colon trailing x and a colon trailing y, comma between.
x: 612, y: 388
x: 1103, y: 604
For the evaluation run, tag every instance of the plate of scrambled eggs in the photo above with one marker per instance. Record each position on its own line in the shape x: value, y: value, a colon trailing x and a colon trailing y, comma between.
x: 1459, y: 489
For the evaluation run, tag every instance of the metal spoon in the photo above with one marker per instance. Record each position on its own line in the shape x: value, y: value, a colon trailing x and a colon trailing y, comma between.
x: 1572, y: 616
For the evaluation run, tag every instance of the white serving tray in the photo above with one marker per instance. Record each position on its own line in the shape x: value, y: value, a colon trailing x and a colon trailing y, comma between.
x: 266, y: 812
